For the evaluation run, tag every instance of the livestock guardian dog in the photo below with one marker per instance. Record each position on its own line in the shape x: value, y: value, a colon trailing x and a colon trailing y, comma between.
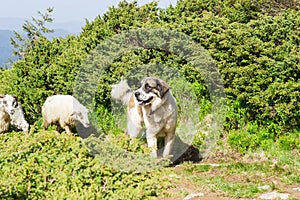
x: 152, y: 105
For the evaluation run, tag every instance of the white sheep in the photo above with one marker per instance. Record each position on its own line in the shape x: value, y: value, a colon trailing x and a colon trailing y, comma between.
x: 64, y: 111
x: 12, y: 113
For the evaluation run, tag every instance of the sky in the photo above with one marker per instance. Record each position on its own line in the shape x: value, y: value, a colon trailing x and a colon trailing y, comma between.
x: 64, y: 10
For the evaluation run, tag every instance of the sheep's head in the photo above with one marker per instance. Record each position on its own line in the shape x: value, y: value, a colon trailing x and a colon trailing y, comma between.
x: 82, y: 117
x: 10, y: 103
x: 23, y: 125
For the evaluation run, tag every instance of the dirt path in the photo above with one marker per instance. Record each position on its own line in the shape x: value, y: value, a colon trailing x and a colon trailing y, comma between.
x: 185, y: 186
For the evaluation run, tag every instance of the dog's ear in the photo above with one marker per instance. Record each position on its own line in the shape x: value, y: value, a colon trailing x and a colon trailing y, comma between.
x: 2, y: 95
x: 163, y: 87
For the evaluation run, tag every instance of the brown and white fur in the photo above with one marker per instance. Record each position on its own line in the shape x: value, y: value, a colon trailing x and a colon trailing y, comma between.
x: 152, y: 105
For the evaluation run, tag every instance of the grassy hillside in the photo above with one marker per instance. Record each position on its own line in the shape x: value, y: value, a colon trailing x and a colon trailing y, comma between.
x: 245, y: 76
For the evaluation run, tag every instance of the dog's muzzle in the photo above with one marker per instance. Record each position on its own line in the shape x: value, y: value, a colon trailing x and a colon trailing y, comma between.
x: 140, y: 101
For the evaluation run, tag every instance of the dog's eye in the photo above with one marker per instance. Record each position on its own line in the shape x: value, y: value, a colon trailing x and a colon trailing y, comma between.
x: 4, y: 102
x: 147, y: 86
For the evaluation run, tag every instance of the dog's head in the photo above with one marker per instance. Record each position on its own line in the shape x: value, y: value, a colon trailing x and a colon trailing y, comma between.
x: 151, y: 89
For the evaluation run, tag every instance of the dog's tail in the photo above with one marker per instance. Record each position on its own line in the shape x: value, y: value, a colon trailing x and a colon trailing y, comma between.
x: 121, y: 91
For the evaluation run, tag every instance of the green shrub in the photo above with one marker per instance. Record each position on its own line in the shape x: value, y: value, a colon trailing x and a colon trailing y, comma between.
x: 52, y: 165
x: 255, y: 136
x: 290, y: 140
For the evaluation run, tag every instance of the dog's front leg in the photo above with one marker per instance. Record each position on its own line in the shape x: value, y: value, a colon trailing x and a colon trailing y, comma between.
x: 169, y: 141
x: 152, y: 144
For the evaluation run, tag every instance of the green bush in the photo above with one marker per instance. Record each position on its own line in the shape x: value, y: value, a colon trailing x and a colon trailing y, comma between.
x: 290, y: 140
x: 52, y: 165
x: 255, y: 136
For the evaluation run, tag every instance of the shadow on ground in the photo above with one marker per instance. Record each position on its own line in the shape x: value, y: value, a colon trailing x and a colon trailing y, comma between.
x: 183, y: 152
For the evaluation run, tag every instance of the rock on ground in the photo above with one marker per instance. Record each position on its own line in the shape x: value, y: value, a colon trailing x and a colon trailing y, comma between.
x: 193, y: 195
x: 274, y: 195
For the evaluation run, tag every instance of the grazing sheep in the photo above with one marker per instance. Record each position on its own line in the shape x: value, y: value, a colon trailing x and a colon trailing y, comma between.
x: 18, y: 119
x: 64, y: 111
x: 12, y: 113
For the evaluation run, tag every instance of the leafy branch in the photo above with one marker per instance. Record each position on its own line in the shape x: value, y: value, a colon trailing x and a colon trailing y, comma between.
x: 33, y: 31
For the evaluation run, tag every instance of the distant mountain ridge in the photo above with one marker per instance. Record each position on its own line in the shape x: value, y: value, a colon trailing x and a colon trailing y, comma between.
x: 5, y: 47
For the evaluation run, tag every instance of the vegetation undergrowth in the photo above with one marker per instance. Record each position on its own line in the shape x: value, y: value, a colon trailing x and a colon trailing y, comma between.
x: 47, y: 165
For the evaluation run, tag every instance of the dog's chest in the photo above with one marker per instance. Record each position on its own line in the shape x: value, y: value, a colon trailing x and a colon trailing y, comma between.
x: 158, y: 117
